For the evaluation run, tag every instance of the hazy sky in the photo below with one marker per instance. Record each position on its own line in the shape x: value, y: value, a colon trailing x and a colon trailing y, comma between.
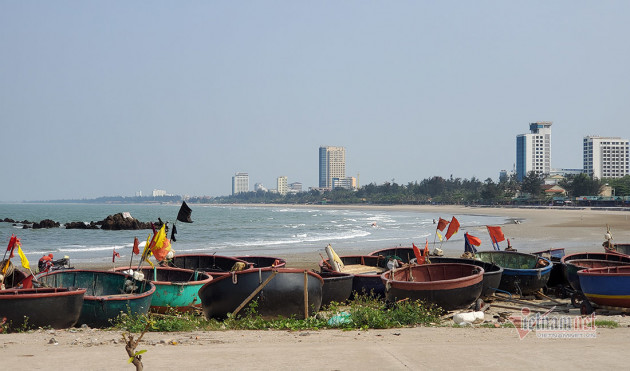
x: 112, y: 97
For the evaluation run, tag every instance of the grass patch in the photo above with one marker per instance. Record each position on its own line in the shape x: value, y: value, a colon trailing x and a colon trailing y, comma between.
x: 606, y: 323
x: 364, y: 312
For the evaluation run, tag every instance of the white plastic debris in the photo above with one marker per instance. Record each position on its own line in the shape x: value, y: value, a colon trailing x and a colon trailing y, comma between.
x: 468, y: 317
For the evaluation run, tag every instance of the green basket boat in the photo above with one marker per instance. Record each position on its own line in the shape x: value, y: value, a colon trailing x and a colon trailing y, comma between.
x: 522, y: 273
x: 175, y: 288
x: 108, y: 294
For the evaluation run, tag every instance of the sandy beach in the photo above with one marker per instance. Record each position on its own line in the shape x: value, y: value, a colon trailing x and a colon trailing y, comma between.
x: 436, y: 347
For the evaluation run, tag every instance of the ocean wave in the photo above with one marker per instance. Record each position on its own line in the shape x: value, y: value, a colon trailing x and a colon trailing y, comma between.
x: 301, y: 239
x: 88, y: 249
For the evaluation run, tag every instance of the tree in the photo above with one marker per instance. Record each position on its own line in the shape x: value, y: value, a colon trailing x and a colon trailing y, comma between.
x: 532, y: 184
x: 490, y: 191
x: 582, y: 185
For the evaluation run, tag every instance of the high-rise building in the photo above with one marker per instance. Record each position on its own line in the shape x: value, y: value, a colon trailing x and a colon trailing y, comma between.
x: 282, y: 185
x: 606, y: 157
x: 332, y: 164
x: 240, y: 183
x: 533, y: 150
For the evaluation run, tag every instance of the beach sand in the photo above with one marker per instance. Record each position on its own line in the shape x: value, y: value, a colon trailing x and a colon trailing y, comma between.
x: 436, y: 347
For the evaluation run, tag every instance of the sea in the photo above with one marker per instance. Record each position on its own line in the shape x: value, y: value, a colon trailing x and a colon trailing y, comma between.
x: 231, y: 230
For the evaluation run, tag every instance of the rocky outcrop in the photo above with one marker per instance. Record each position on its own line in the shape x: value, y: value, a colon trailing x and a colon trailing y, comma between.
x: 46, y: 223
x: 119, y: 222
x: 82, y: 225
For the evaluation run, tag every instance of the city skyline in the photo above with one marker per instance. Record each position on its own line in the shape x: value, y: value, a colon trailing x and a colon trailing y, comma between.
x: 112, y: 98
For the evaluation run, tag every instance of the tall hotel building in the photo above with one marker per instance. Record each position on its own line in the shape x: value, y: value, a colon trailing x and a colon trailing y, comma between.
x: 606, y: 157
x: 332, y: 164
x: 240, y: 183
x: 282, y: 185
x: 533, y: 150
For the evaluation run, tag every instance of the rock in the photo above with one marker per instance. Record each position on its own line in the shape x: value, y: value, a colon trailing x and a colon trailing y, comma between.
x: 46, y: 223
x: 119, y: 222
x: 81, y: 225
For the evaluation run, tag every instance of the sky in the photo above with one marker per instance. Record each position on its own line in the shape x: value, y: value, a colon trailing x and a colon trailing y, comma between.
x: 108, y: 98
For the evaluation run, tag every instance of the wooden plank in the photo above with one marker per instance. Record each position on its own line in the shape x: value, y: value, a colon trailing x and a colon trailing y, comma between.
x: 251, y: 296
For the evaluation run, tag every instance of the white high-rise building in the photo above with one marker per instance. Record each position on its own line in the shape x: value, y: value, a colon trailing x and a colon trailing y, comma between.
x: 282, y: 185
x: 240, y: 183
x: 606, y: 157
x: 533, y: 150
x: 332, y: 164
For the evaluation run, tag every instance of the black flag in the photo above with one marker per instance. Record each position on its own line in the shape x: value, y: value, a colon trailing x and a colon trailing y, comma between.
x: 184, y: 213
x: 173, y: 233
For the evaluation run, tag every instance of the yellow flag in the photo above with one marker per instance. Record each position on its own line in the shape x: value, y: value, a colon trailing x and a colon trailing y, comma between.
x: 439, y: 235
x: 25, y: 263
x: 160, y: 237
x: 146, y: 251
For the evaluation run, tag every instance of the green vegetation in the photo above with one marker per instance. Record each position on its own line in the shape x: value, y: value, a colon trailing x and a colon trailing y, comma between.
x: 9, y: 327
x: 606, y: 323
x: 364, y: 312
x: 438, y: 190
x: 434, y: 190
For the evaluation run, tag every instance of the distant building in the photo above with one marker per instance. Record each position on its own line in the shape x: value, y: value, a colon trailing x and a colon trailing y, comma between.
x: 332, y: 164
x: 565, y: 172
x: 139, y: 194
x: 295, y: 187
x: 606, y: 157
x: 158, y: 193
x: 347, y: 183
x: 259, y: 187
x: 533, y: 150
x: 282, y: 185
x: 503, y: 176
x: 240, y: 183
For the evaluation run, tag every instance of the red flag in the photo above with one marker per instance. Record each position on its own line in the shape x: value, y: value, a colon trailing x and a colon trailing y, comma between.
x: 442, y: 223
x: 27, y: 283
x: 475, y: 241
x: 12, y: 243
x: 136, y: 245
x: 416, y: 252
x: 115, y: 255
x: 453, y: 227
x: 426, y: 249
x: 496, y: 235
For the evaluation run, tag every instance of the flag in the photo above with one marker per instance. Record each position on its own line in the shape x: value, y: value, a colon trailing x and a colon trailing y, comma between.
x: 136, y: 245
x: 439, y: 236
x: 147, y: 248
x: 25, y: 262
x: 114, y: 255
x: 442, y: 223
x: 184, y: 213
x: 173, y: 233
x: 473, y: 240
x: 425, y: 253
x: 160, y: 245
x: 453, y: 227
x: 496, y: 235
x: 469, y: 241
x: 12, y: 242
x: 160, y: 251
x: 416, y: 252
x: 27, y: 283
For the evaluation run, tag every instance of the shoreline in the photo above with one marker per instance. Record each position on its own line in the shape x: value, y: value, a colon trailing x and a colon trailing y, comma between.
x: 396, y: 348
x: 576, y: 230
